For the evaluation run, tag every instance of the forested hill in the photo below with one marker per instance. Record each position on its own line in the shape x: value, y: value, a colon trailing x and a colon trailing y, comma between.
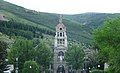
x: 79, y: 26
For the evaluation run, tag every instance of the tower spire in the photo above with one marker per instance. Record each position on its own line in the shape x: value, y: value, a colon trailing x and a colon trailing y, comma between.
x: 60, y: 19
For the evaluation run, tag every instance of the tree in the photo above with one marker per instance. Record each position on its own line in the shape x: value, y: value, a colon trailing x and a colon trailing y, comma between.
x: 75, y: 56
x: 23, y: 50
x: 30, y: 67
x: 108, y: 39
x: 43, y: 55
x: 3, y: 53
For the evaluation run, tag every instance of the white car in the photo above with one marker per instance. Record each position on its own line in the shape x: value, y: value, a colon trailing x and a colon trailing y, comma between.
x: 8, y: 71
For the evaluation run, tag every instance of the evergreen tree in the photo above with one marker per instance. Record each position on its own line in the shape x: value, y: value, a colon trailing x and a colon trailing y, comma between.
x: 3, y: 52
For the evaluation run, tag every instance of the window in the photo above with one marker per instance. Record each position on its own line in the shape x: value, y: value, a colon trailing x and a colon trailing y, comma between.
x: 60, y: 28
x: 60, y: 69
x: 63, y: 41
x: 57, y: 41
x: 60, y: 41
x: 61, y: 53
x: 63, y: 34
x: 61, y: 56
x: 57, y: 33
x: 60, y: 34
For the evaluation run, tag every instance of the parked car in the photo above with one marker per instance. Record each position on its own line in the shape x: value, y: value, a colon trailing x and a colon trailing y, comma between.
x: 8, y: 71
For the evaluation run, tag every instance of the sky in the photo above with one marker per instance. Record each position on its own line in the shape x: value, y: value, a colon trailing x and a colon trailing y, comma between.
x: 70, y: 6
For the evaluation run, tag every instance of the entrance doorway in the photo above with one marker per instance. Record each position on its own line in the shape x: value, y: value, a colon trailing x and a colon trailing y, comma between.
x: 60, y: 69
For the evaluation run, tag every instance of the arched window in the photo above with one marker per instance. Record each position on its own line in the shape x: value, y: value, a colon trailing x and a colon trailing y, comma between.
x: 63, y: 34
x: 63, y: 41
x: 57, y: 34
x: 60, y: 69
x: 60, y: 34
x: 60, y: 41
x: 61, y: 56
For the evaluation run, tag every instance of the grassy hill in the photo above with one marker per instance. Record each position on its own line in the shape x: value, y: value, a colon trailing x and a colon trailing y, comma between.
x: 79, y: 26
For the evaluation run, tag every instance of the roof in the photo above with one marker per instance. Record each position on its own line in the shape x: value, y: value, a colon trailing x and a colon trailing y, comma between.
x: 60, y: 25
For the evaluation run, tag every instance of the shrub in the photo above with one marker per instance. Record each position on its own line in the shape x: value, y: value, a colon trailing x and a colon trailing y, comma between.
x: 97, y: 71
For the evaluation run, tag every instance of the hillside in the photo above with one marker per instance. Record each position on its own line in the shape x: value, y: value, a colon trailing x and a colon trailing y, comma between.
x: 92, y: 20
x: 79, y: 26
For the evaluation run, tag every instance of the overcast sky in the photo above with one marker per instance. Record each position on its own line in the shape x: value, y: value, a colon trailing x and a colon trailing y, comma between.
x: 70, y: 6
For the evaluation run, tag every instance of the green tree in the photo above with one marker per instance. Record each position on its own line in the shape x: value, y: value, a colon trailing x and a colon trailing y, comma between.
x: 23, y: 50
x: 75, y: 56
x: 43, y: 55
x: 30, y: 67
x: 108, y: 39
x: 3, y: 53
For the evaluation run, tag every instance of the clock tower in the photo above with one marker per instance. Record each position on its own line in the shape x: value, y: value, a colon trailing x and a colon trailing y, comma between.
x: 60, y: 47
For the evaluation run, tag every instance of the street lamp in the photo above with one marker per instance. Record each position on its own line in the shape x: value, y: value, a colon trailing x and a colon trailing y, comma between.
x: 30, y: 67
x: 98, y: 65
x: 6, y: 60
x: 16, y: 71
x: 89, y: 68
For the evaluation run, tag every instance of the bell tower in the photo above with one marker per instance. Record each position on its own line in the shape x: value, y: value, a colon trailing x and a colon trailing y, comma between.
x: 60, y: 47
